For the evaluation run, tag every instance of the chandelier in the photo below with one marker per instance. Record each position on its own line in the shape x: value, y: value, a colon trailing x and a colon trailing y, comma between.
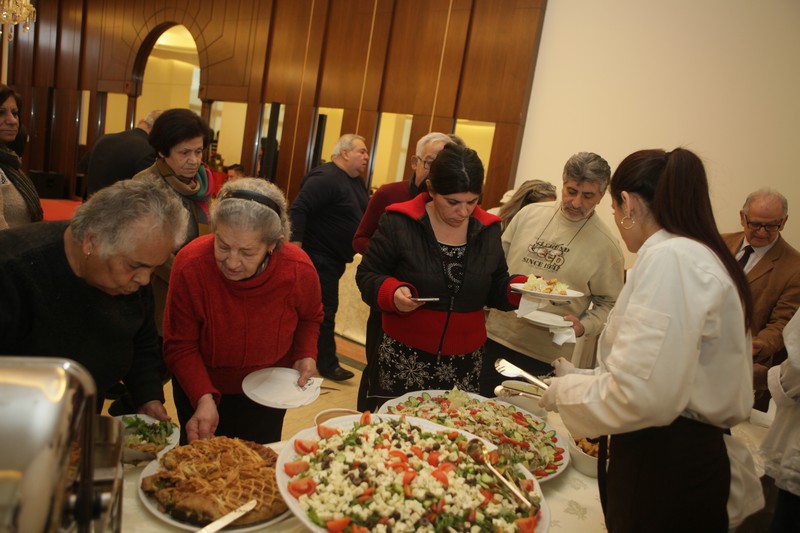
x: 13, y: 12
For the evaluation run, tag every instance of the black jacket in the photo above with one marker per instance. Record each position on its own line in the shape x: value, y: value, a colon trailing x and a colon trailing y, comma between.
x: 404, y: 251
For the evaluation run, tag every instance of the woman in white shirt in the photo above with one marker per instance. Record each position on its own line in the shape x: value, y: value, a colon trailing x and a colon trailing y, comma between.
x: 781, y: 446
x: 675, y: 367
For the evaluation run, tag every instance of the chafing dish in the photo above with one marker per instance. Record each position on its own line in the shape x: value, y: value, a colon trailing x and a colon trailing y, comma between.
x: 60, y: 468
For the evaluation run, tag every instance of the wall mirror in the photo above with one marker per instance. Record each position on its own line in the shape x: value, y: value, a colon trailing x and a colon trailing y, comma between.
x: 270, y: 141
x: 327, y: 131
x: 390, y: 159
x: 479, y: 136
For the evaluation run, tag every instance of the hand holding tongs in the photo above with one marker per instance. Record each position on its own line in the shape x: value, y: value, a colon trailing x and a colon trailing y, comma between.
x: 513, y: 371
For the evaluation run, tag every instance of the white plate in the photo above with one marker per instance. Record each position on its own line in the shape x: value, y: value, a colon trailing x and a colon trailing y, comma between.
x: 277, y: 387
x: 152, y: 506
x: 546, y: 429
x: 547, y: 320
x: 518, y: 287
x: 289, y: 454
x: 133, y: 456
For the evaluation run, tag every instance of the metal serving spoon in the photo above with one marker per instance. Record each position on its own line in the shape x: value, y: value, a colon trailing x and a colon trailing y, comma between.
x: 477, y: 450
x: 513, y: 371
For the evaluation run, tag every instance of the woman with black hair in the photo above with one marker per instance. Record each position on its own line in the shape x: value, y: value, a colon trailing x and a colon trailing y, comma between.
x: 180, y: 138
x: 675, y: 364
x: 439, y: 245
x: 19, y: 200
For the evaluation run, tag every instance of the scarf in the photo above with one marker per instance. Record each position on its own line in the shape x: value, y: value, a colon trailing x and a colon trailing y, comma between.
x: 10, y: 163
x: 195, y: 188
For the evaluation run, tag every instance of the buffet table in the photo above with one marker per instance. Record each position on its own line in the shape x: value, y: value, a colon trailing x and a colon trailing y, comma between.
x: 573, y: 498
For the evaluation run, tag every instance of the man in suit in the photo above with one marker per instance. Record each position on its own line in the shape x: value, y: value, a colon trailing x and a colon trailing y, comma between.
x: 773, y: 271
x: 120, y: 156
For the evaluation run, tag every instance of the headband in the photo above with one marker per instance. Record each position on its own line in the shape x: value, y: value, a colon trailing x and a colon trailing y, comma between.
x: 244, y: 194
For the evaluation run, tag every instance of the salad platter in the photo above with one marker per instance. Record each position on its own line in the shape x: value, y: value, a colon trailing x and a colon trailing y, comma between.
x: 145, y: 438
x: 525, y: 438
x: 403, y: 473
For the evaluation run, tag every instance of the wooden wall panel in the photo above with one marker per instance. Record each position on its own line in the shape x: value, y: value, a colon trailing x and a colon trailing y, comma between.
x: 354, y: 54
x: 424, y: 57
x: 295, y: 49
x: 502, y: 168
x: 500, y: 60
x: 293, y: 161
x: 91, y: 36
x: 437, y: 60
x: 223, y: 31
x: 45, y: 43
x: 237, y: 54
x: 68, y: 58
x: 64, y: 133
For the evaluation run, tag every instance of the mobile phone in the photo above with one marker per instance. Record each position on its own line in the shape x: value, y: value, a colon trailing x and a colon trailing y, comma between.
x: 424, y: 299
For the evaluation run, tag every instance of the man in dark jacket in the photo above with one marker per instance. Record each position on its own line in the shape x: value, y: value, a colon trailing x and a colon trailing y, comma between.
x: 324, y: 217
x: 120, y: 156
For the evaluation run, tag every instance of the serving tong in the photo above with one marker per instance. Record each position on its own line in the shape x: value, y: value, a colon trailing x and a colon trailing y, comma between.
x: 509, y: 391
x: 513, y: 371
x: 480, y: 454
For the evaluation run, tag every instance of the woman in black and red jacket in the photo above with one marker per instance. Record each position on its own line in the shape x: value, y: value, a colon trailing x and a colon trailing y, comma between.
x: 439, y: 245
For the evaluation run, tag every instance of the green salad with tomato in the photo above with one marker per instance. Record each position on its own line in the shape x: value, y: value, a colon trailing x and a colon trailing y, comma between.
x: 147, y: 437
x: 392, y: 475
x: 519, y: 436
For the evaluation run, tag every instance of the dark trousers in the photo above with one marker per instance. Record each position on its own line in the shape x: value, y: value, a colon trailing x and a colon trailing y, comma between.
x: 491, y: 378
x: 669, y: 478
x: 330, y: 272
x: 787, y: 513
x: 239, y: 417
x: 373, y: 338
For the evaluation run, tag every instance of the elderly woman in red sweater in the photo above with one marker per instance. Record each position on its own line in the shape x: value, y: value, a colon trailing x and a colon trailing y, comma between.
x: 240, y: 299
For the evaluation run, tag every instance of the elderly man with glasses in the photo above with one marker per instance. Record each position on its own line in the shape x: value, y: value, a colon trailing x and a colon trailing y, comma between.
x: 772, y: 267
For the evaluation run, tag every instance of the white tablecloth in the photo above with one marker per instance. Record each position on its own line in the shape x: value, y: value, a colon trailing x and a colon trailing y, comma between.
x: 573, y: 498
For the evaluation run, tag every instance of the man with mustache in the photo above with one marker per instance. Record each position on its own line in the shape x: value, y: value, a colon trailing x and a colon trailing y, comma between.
x: 567, y: 241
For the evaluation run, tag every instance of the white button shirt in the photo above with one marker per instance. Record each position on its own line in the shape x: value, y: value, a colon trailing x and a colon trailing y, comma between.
x: 675, y: 344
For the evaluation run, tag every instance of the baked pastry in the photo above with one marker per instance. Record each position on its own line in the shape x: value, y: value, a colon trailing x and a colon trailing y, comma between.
x: 207, y: 479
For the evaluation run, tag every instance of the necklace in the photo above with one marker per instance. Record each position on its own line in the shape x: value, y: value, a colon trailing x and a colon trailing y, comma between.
x: 557, y: 211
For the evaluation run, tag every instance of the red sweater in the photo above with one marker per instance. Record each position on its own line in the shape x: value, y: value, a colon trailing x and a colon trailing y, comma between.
x: 386, y: 195
x: 217, y: 331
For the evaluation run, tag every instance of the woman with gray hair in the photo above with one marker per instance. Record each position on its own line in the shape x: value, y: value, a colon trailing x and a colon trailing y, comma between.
x: 240, y: 299
x: 81, y: 288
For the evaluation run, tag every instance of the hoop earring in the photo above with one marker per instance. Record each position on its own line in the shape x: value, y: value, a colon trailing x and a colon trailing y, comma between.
x: 622, y: 222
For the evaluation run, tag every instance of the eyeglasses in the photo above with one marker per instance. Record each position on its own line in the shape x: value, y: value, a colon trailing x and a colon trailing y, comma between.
x: 426, y: 163
x: 755, y: 226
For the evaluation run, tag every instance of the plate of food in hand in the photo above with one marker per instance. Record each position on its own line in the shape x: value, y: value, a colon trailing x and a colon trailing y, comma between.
x: 546, y: 289
x: 191, y: 486
x: 145, y: 437
x: 524, y: 438
x: 401, y: 474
